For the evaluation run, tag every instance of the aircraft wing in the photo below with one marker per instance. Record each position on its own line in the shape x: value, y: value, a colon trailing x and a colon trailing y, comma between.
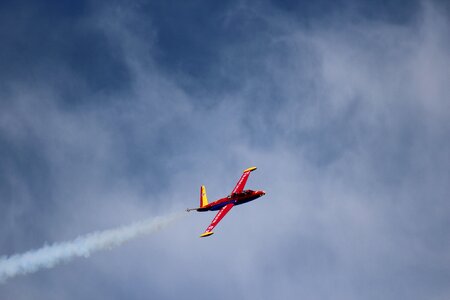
x: 242, y: 181
x: 222, y: 212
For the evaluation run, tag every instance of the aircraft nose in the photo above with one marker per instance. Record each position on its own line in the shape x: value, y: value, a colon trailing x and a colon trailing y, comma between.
x: 263, y: 193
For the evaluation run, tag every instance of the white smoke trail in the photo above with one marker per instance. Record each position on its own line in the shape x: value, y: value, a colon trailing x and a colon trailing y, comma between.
x: 51, y: 255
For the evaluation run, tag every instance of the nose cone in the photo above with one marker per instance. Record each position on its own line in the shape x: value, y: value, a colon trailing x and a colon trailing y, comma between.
x: 263, y: 193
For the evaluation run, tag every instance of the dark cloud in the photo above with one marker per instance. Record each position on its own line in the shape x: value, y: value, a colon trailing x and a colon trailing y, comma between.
x: 112, y: 113
x: 54, y: 42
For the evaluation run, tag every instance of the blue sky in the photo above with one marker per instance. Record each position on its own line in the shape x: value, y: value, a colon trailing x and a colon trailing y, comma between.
x: 113, y: 112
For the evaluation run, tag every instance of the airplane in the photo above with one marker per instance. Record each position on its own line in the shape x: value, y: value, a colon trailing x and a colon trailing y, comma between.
x: 237, y: 197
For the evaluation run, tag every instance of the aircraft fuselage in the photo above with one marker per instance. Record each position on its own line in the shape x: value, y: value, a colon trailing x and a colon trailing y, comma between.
x: 236, y: 199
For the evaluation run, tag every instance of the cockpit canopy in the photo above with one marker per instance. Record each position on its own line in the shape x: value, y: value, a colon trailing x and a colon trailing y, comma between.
x: 244, y: 192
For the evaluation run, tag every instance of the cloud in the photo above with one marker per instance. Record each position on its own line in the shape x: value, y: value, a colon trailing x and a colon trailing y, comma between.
x: 50, y: 255
x: 345, y: 117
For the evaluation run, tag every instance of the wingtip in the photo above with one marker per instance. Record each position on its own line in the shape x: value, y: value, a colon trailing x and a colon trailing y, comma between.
x: 205, y: 234
x: 250, y: 169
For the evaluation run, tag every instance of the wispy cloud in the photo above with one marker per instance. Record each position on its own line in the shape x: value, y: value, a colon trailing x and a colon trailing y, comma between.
x: 83, y: 246
x: 345, y: 116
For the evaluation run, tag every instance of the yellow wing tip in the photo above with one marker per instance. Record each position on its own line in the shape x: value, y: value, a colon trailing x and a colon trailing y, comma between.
x: 206, y: 234
x: 250, y: 169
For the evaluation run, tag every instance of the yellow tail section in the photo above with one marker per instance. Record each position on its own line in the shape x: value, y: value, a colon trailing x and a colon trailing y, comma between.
x: 203, y: 198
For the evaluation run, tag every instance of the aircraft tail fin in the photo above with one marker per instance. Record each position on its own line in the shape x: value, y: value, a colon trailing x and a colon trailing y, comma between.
x: 203, y: 198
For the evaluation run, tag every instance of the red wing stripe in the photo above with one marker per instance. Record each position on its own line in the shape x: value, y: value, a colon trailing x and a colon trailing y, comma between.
x: 222, y: 212
x: 241, y: 183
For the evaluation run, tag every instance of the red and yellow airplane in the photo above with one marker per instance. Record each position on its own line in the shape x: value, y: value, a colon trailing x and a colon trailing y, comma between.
x: 238, y: 196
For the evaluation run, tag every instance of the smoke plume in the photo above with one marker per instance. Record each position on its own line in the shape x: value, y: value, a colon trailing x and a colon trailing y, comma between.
x: 51, y: 255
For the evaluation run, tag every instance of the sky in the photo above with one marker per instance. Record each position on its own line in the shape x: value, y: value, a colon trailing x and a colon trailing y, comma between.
x: 113, y: 112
